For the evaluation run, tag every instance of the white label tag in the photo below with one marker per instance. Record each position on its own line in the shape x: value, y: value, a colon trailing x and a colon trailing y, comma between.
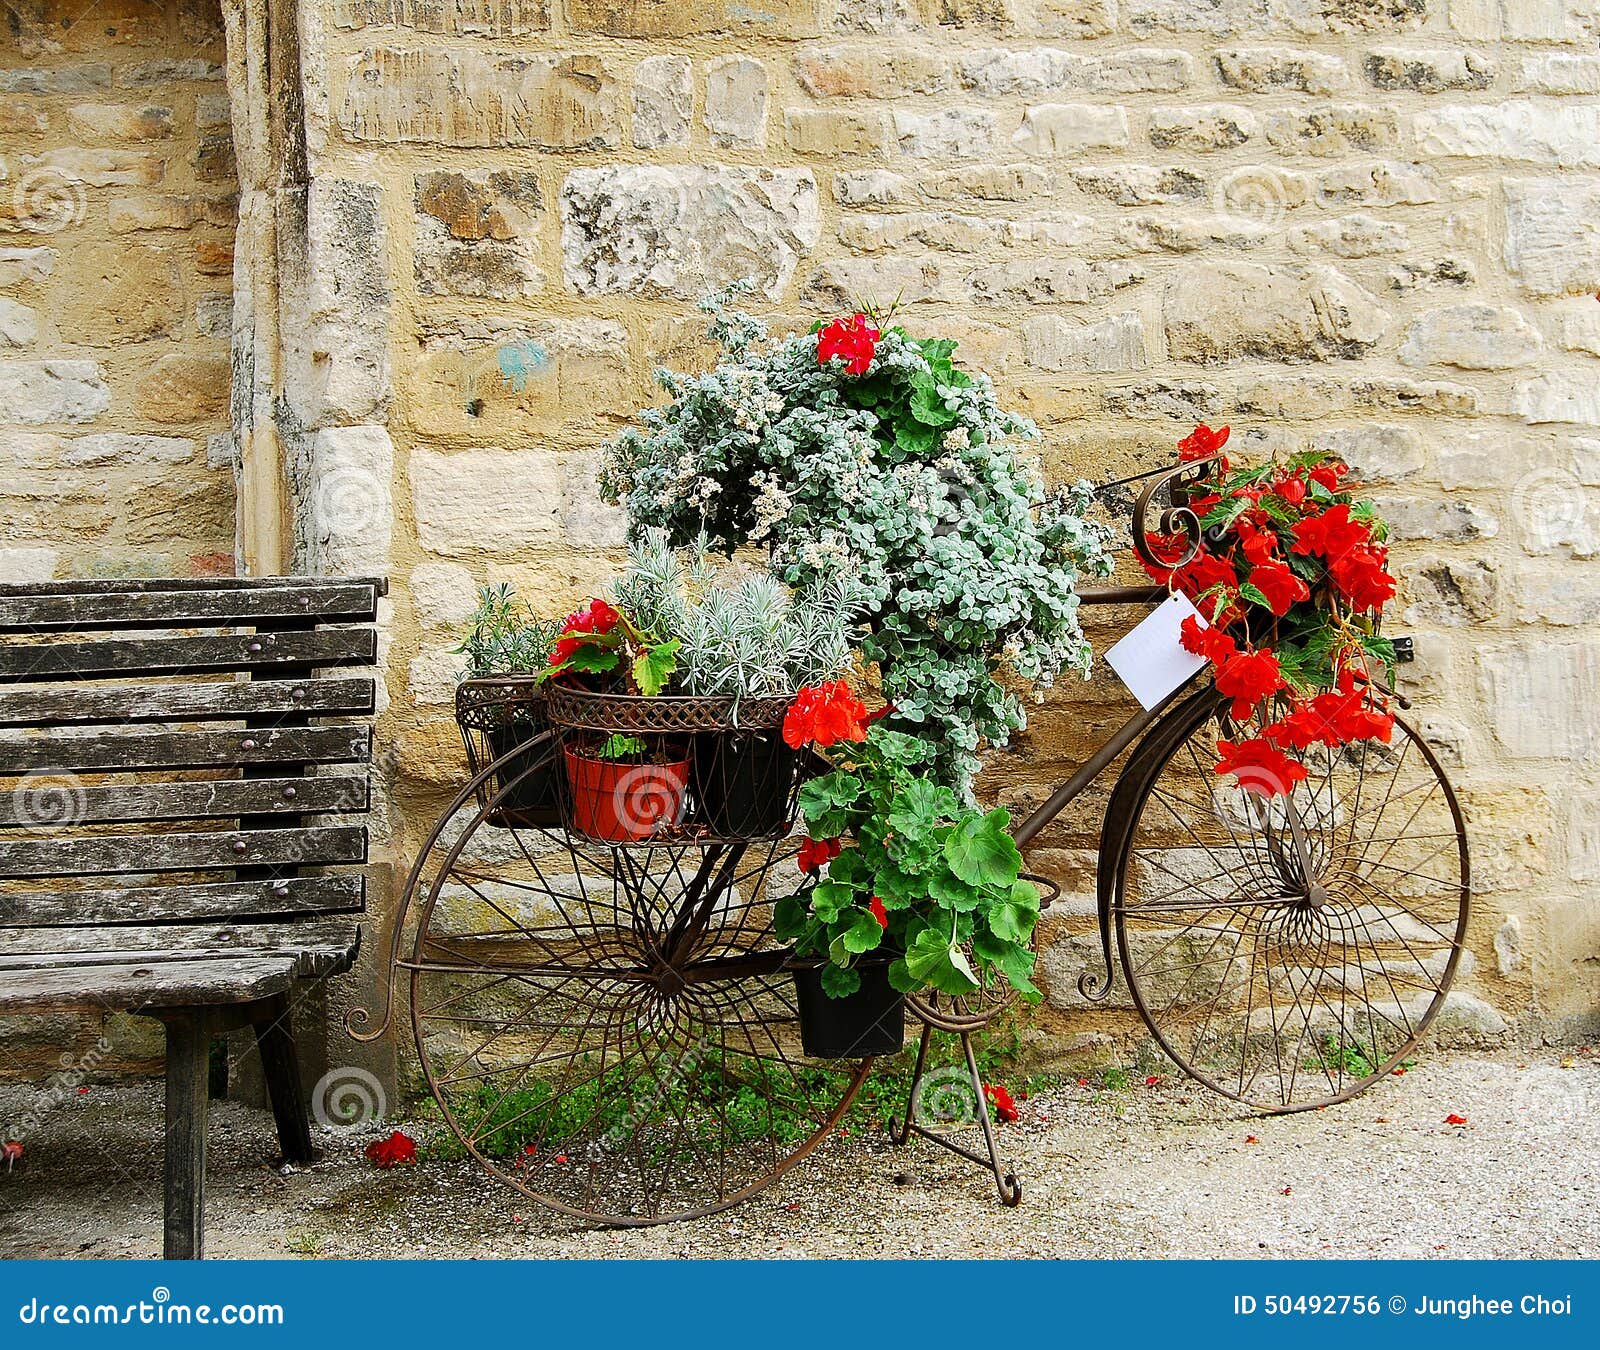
x: 1151, y: 660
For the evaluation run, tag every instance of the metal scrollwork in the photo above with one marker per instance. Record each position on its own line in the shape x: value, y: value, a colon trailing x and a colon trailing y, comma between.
x: 1175, y: 518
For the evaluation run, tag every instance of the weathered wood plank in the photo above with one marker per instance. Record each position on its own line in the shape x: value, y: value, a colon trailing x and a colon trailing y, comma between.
x: 147, y: 986
x: 184, y: 1197
x: 213, y: 701
x: 87, y: 855
x: 311, y: 601
x: 132, y: 751
x: 50, y: 801
x: 280, y: 1063
x: 319, y: 946
x: 200, y: 655
x: 140, y: 585
x: 239, y: 901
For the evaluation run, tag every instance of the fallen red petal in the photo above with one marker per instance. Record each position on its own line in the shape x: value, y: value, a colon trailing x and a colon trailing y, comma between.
x: 1454, y: 1119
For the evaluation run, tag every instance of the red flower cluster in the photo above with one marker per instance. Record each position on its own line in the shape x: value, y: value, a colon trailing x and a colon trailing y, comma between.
x: 824, y: 715
x: 1290, y: 555
x: 853, y: 340
x: 595, y: 618
x: 815, y: 854
x: 391, y: 1152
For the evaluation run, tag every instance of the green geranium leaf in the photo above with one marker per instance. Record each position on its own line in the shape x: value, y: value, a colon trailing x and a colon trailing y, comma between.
x: 920, y: 806
x: 927, y: 407
x: 1011, y: 959
x: 901, y: 979
x: 981, y: 851
x: 833, y: 789
x: 911, y: 438
x: 829, y: 899
x: 840, y: 982
x: 864, y: 935
x: 592, y: 658
x: 931, y: 960
x: 1014, y: 917
x: 789, y: 917
x: 654, y: 666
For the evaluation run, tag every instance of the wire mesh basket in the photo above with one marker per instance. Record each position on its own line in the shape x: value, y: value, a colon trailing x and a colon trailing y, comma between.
x: 670, y: 768
x: 498, y: 715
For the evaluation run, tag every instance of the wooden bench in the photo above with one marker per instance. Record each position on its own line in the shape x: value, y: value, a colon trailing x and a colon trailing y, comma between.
x: 183, y: 770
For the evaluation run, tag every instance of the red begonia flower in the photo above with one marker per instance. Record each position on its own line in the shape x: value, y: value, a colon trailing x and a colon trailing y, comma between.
x: 1331, y: 534
x: 396, y: 1149
x: 1202, y: 443
x: 1247, y: 678
x: 1280, y: 586
x: 1206, y: 640
x: 1005, y: 1105
x: 1259, y: 766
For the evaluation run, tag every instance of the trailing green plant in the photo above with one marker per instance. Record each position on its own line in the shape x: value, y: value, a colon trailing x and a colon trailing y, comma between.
x: 909, y: 868
x: 870, y: 454
x: 504, y: 636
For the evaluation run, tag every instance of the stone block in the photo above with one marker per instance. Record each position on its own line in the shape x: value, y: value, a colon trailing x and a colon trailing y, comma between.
x: 678, y: 231
x: 1378, y: 454
x: 119, y: 122
x: 1218, y: 312
x: 19, y: 325
x: 477, y: 233
x: 1565, y: 136
x: 122, y: 293
x: 1071, y: 129
x: 486, y: 501
x: 1202, y: 130
x: 663, y: 101
x: 99, y: 168
x: 1557, y: 398
x: 1540, y: 698
x: 1553, y: 235
x: 1270, y: 70
x: 859, y: 70
x: 180, y: 389
x: 736, y: 102
x: 953, y: 133
x: 443, y: 595
x: 1431, y: 70
x: 346, y: 505
x: 1472, y: 337
x: 472, y: 99
x: 348, y: 296
x: 43, y: 393
x: 1115, y: 344
x: 836, y: 131
x: 19, y: 566
x: 23, y: 266
x: 671, y: 18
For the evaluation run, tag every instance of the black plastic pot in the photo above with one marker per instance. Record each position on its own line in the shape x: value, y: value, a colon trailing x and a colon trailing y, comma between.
x: 871, y: 1021
x: 743, y: 781
x: 536, y: 799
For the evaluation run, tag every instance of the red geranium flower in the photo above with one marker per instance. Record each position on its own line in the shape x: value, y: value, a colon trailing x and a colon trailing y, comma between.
x: 1260, y: 766
x: 397, y: 1148
x: 1202, y: 443
x: 825, y: 714
x: 1281, y: 587
x: 1247, y: 678
x: 815, y: 853
x: 855, y: 340
x: 878, y: 912
x: 1005, y: 1105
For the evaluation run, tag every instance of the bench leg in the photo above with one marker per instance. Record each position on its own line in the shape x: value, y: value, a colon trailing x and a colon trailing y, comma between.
x: 281, y: 1065
x: 188, y: 1070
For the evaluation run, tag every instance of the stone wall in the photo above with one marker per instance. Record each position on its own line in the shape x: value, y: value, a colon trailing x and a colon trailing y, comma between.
x: 116, y: 276
x: 473, y: 226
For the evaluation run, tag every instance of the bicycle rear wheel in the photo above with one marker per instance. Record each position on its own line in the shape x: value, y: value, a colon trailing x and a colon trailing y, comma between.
x: 1278, y: 985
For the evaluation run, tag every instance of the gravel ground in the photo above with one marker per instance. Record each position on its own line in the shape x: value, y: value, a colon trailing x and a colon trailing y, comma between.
x: 1160, y: 1170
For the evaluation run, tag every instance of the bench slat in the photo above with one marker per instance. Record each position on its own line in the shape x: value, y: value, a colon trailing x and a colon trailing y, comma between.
x: 312, y: 601
x: 315, y: 947
x: 205, y: 654
x: 112, y: 753
x: 97, y: 854
x: 217, y: 701
x: 239, y: 901
x: 175, y: 984
x: 50, y: 801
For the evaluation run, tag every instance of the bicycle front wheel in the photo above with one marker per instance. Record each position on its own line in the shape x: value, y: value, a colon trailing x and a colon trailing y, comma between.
x: 1284, y: 985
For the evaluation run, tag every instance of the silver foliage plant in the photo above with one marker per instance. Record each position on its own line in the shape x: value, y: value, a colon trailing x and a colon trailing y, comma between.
x: 743, y: 633
x: 967, y: 564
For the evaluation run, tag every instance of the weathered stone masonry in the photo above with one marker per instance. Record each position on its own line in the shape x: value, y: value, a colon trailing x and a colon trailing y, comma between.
x: 469, y: 228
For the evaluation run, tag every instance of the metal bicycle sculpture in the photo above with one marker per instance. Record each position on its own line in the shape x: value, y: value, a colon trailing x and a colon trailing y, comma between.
x: 609, y: 1028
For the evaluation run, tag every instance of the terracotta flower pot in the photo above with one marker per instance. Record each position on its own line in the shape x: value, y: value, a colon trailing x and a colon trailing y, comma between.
x: 621, y: 802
